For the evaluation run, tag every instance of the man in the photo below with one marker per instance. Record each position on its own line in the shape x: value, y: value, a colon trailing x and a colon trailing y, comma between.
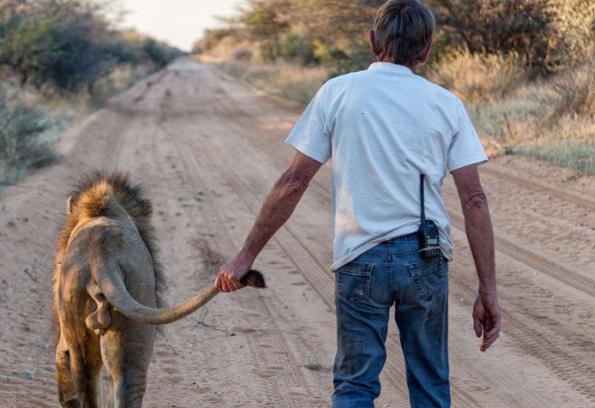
x: 383, y: 128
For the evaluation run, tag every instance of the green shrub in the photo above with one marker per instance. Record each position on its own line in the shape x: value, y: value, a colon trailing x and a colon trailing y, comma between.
x: 52, y: 50
x: 158, y: 53
x: 340, y: 62
x: 68, y: 44
x: 294, y: 47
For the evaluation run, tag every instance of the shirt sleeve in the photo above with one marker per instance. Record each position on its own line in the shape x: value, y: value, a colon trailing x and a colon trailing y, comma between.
x: 311, y: 135
x: 465, y: 148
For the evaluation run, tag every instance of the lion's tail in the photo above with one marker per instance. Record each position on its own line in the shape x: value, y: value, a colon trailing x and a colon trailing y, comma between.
x: 113, y: 288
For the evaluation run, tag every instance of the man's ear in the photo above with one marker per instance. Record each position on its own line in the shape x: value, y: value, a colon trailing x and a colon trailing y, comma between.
x: 372, y: 38
x: 426, y: 53
x: 69, y: 205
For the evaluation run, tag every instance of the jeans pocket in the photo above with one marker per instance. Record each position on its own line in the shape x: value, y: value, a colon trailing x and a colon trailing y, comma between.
x: 429, y: 277
x: 353, y: 281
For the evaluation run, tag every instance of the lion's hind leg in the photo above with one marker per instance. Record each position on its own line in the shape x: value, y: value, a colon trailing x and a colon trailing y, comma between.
x: 126, y: 355
x: 85, y: 374
x: 77, y: 372
x: 66, y: 391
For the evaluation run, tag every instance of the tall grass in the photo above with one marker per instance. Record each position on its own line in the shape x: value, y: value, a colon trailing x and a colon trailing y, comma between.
x: 576, y: 89
x: 25, y: 138
x: 289, y: 81
x: 569, y: 141
x: 477, y: 78
x: 575, y: 155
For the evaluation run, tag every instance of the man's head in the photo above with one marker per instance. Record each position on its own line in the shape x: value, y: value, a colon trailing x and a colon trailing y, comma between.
x: 402, y: 32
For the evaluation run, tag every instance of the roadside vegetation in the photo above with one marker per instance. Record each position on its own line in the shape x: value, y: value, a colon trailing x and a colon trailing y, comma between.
x: 59, y: 59
x: 525, y: 68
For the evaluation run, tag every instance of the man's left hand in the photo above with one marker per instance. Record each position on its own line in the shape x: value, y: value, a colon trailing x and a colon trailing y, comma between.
x: 228, y: 278
x: 487, y: 319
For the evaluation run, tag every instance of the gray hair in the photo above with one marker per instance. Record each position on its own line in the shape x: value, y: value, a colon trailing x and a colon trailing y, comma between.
x: 403, y: 31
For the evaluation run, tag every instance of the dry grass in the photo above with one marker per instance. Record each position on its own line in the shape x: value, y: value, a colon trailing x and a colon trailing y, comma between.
x: 576, y: 90
x: 569, y: 154
x: 298, y: 84
x: 477, y: 78
x: 25, y: 138
x: 569, y: 142
x: 534, y: 121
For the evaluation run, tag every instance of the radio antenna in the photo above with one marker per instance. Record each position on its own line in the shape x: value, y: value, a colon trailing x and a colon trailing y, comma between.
x: 421, y: 191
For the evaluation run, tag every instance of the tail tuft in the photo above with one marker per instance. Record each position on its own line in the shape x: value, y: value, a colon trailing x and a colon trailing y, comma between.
x: 254, y: 279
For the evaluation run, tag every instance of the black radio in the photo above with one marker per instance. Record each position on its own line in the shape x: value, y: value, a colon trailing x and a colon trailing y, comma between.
x: 428, y: 233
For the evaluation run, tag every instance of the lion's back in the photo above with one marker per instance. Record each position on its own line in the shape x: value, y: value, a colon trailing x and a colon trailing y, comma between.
x: 105, y: 242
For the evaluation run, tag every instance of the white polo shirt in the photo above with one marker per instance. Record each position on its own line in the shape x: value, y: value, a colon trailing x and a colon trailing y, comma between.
x: 383, y: 127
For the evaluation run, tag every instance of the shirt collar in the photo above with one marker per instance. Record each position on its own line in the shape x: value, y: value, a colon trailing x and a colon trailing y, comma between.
x: 390, y: 67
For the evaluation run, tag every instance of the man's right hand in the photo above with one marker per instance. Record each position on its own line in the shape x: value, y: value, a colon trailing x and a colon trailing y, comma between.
x: 228, y: 278
x: 486, y: 319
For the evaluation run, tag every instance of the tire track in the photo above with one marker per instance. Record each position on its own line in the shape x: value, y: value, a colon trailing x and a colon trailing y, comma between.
x: 123, y: 134
x: 292, y: 377
x: 563, y: 195
x: 538, y: 262
x: 572, y: 369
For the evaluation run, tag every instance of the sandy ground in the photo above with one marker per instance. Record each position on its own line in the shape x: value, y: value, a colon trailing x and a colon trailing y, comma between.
x: 208, y: 148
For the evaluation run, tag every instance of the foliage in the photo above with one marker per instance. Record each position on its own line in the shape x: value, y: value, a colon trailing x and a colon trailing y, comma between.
x: 158, y: 53
x: 576, y: 90
x: 48, y: 50
x: 293, y: 47
x: 21, y: 143
x: 68, y: 43
x: 499, y: 26
x: 264, y: 22
x: 546, y: 33
x: 210, y: 39
x: 62, y: 51
x: 477, y: 77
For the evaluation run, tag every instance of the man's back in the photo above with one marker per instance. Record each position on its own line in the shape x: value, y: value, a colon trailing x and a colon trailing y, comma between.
x: 383, y: 127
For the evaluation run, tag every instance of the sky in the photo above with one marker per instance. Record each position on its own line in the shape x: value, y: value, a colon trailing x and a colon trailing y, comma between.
x: 179, y: 22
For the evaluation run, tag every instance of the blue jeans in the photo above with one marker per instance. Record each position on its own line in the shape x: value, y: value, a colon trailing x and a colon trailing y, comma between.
x: 392, y: 273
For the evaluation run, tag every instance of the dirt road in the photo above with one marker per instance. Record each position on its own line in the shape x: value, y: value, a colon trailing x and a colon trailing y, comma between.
x: 208, y: 148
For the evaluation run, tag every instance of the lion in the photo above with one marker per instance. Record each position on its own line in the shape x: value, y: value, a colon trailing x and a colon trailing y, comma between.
x: 107, y: 281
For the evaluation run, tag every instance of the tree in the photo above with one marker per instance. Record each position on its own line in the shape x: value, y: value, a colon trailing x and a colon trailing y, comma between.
x: 264, y: 22
x: 542, y: 32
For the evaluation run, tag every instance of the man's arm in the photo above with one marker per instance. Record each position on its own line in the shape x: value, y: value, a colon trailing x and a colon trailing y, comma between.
x: 478, y: 226
x: 277, y: 209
